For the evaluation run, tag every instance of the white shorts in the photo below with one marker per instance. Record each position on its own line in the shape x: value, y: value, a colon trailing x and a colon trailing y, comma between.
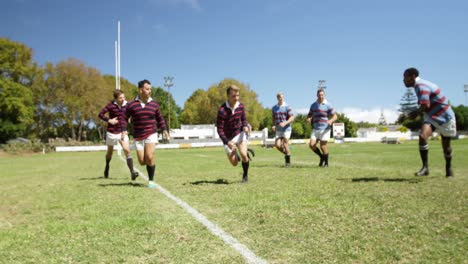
x: 448, y: 129
x: 140, y: 144
x: 322, y: 135
x: 237, y: 140
x: 283, y: 134
x: 112, y: 139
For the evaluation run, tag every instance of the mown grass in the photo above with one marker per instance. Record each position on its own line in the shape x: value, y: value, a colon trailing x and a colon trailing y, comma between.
x: 365, y: 208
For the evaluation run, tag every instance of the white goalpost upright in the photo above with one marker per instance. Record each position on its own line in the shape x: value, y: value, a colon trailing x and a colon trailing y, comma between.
x: 117, y: 71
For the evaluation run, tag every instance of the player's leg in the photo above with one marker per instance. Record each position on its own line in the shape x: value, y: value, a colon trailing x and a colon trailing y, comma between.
x: 446, y: 146
x: 150, y: 145
x: 109, y: 152
x: 287, y: 152
x: 232, y: 155
x: 140, y: 151
x: 323, y: 137
x: 324, y: 148
x: 111, y: 140
x: 448, y: 130
x: 426, y: 132
x: 313, y: 146
x: 242, y: 146
x: 279, y: 144
x: 126, y: 148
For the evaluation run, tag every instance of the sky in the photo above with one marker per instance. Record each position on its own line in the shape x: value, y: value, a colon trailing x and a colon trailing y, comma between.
x: 360, y: 48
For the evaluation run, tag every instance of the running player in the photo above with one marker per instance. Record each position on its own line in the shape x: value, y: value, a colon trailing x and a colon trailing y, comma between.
x: 146, y: 119
x: 321, y: 116
x: 233, y: 129
x: 282, y: 120
x: 116, y: 124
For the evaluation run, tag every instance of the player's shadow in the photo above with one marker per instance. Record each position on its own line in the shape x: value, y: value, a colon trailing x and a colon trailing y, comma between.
x: 218, y: 181
x: 375, y: 179
x: 282, y: 166
x: 97, y: 178
x: 125, y: 184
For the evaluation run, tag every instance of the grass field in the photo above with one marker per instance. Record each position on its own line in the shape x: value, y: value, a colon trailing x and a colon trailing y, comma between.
x: 367, y: 207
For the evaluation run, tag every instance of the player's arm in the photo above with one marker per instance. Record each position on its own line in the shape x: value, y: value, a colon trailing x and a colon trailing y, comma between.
x: 290, y: 119
x: 161, y: 123
x: 310, y: 116
x: 102, y: 114
x: 332, y: 119
x: 415, y: 113
x: 273, y: 126
x: 220, y: 127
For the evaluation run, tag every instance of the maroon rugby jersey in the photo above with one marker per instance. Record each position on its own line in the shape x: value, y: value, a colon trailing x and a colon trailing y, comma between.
x: 230, y: 123
x: 114, y: 110
x: 146, y: 120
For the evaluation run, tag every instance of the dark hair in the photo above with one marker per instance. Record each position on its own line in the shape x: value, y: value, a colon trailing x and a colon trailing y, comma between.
x: 117, y: 93
x: 320, y: 90
x: 142, y: 83
x: 232, y: 87
x: 412, y: 72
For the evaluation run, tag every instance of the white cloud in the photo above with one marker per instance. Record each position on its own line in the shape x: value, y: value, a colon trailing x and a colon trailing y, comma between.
x: 370, y: 115
x: 365, y: 115
x: 194, y: 4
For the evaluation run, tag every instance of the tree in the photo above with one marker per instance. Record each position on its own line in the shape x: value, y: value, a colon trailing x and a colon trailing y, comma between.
x: 407, y: 105
x: 461, y: 115
x: 409, y: 102
x: 80, y: 94
x: 46, y: 116
x: 161, y: 96
x: 301, y: 128
x: 202, y: 107
x: 193, y: 108
x: 267, y: 121
x: 17, y: 73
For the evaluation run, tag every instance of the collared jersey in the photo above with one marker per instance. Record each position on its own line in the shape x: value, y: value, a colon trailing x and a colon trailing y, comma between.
x: 114, y: 110
x: 230, y: 121
x: 281, y: 113
x: 320, y: 113
x: 146, y: 118
x: 438, y: 108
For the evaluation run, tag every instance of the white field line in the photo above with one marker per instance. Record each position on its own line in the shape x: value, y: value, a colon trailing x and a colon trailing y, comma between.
x: 248, y: 255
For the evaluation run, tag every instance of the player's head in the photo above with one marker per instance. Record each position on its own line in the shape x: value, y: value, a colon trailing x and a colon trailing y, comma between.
x: 320, y: 95
x: 280, y: 97
x: 142, y: 83
x: 232, y: 93
x: 119, y: 96
x: 409, y: 77
x: 145, y: 89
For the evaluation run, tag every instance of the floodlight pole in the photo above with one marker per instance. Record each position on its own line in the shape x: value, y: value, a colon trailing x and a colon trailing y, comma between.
x: 321, y: 85
x: 466, y: 91
x: 168, y: 84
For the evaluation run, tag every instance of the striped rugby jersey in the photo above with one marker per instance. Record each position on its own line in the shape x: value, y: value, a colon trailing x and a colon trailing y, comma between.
x: 230, y: 122
x: 320, y: 114
x: 429, y: 94
x: 146, y: 120
x: 281, y: 114
x: 114, y: 110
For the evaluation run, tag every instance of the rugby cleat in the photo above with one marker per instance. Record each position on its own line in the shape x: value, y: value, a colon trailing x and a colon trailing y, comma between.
x: 449, y: 173
x: 424, y: 171
x: 106, y: 172
x: 151, y: 185
x: 245, y: 178
x: 134, y: 175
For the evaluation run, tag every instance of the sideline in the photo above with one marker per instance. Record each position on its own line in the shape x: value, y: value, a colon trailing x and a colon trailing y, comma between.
x: 248, y: 255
